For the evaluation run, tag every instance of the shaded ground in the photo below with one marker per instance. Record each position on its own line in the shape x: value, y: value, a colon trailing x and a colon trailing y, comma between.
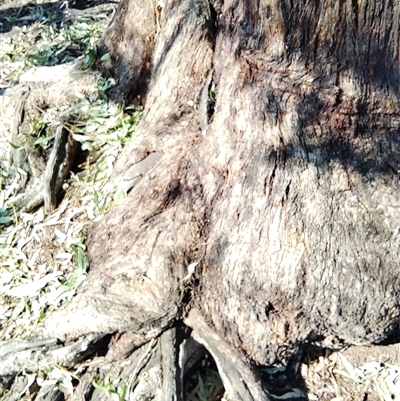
x: 20, y: 13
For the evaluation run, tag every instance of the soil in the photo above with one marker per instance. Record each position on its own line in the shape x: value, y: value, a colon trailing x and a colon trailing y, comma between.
x: 14, y: 13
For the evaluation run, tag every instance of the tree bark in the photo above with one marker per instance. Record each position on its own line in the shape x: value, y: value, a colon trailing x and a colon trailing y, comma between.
x: 278, y: 125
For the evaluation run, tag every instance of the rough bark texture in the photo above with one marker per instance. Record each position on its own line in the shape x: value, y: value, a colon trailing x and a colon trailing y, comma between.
x: 131, y: 36
x: 288, y: 199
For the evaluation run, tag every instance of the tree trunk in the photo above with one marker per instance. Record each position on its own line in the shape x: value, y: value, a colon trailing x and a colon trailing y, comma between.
x: 271, y: 145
